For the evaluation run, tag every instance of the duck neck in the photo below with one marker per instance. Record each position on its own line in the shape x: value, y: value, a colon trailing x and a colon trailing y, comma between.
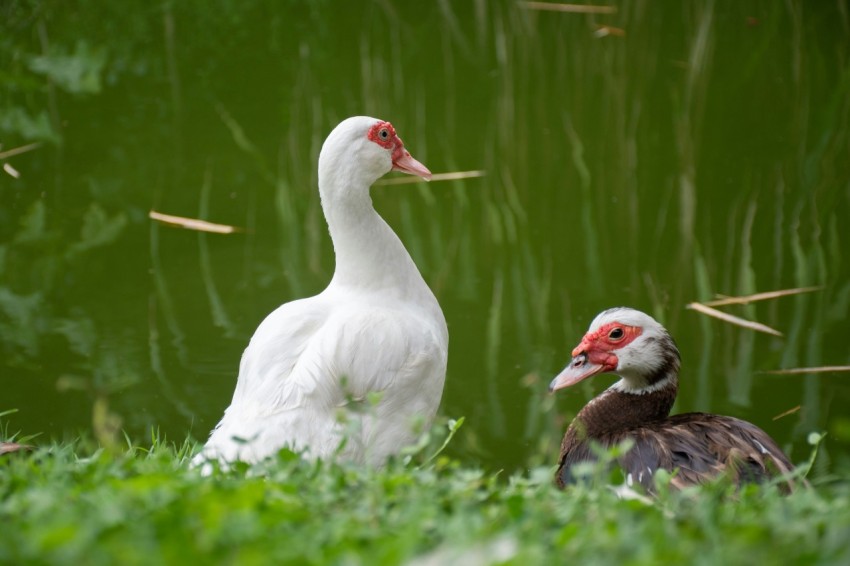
x: 638, y: 398
x: 368, y: 253
x: 618, y: 410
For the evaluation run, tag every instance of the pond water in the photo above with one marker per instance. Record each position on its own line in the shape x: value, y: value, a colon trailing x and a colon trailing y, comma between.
x: 648, y: 157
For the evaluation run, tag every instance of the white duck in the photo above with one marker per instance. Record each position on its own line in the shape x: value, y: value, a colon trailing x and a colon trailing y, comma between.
x: 376, y: 329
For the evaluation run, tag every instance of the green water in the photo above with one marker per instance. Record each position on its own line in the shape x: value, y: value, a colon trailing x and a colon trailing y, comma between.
x: 705, y: 151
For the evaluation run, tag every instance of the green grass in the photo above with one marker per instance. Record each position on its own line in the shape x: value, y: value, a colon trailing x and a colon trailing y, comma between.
x: 71, y: 504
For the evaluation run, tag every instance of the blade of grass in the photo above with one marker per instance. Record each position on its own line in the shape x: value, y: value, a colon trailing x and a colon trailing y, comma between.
x: 814, y: 440
x: 219, y: 311
x: 491, y: 361
x: 588, y: 221
x: 704, y: 374
x: 739, y: 381
x: 454, y: 426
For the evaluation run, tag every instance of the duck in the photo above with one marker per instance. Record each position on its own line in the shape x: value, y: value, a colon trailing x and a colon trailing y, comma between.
x: 695, y: 448
x: 355, y: 373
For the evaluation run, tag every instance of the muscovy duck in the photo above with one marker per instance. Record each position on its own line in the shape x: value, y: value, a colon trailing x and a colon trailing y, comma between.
x: 364, y: 360
x: 695, y: 446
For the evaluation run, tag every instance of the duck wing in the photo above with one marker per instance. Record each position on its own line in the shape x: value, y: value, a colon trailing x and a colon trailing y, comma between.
x: 699, y: 447
x: 308, y: 361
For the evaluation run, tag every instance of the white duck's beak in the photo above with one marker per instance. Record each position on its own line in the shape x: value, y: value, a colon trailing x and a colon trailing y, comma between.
x: 407, y: 164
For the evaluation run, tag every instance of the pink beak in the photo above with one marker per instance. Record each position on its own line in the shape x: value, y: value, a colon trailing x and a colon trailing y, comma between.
x: 582, y: 366
x: 406, y: 164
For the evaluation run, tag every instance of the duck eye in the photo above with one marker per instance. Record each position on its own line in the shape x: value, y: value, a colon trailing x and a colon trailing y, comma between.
x: 616, y: 334
x: 384, y: 134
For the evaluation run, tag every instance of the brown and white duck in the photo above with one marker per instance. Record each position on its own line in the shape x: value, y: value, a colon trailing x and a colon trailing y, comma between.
x: 696, y: 446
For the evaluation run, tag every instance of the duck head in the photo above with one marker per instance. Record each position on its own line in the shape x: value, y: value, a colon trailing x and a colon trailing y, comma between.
x: 360, y: 150
x: 625, y: 342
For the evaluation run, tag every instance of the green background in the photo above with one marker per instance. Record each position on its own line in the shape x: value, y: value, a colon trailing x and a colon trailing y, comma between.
x: 704, y: 150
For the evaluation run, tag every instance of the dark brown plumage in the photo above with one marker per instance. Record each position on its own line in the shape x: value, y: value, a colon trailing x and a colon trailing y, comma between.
x: 696, y: 446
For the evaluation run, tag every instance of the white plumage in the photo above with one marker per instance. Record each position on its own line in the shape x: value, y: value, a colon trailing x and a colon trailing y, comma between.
x: 314, y: 367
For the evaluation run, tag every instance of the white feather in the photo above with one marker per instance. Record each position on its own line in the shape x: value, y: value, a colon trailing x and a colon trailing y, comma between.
x: 626, y: 386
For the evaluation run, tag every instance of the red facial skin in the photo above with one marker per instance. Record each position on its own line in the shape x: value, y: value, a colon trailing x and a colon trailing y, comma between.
x: 601, y: 342
x: 391, y: 141
x: 384, y: 135
x: 595, y: 354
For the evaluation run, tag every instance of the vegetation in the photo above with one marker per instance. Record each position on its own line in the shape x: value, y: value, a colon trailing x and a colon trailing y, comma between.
x: 698, y: 152
x: 650, y: 157
x: 73, y: 504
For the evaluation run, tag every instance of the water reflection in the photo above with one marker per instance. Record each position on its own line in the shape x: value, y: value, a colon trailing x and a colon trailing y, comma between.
x: 700, y: 153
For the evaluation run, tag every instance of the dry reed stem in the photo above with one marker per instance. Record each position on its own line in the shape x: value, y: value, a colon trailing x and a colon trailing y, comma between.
x: 568, y: 8
x: 438, y: 177
x: 605, y: 31
x: 11, y: 171
x: 9, y: 447
x: 790, y: 411
x: 192, y: 223
x: 19, y: 150
x: 798, y: 371
x: 746, y: 299
x: 731, y: 319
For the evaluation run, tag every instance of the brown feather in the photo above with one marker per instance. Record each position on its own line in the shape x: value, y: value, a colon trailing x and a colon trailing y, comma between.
x: 697, y: 446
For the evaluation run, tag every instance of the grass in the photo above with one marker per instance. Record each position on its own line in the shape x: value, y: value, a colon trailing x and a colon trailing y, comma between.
x: 71, y: 504
x: 618, y: 168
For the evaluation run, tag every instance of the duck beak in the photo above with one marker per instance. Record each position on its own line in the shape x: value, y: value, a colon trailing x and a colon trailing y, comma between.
x: 581, y: 367
x: 406, y: 164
